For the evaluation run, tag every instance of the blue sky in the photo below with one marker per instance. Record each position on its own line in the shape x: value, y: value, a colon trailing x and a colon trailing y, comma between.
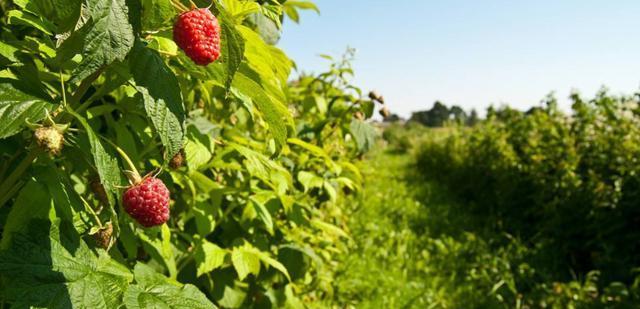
x: 474, y: 53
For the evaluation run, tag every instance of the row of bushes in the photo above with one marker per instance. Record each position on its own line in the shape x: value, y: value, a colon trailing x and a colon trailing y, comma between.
x: 566, y: 185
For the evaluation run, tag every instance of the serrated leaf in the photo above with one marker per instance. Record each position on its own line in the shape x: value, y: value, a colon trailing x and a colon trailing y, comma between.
x: 273, y: 112
x: 106, y: 164
x: 208, y: 257
x: 364, y: 135
x: 161, y: 96
x: 109, y: 36
x: 245, y: 261
x: 153, y: 290
x: 232, y: 48
x: 262, y: 167
x: 16, y: 107
x: 49, y: 266
x: 271, y: 65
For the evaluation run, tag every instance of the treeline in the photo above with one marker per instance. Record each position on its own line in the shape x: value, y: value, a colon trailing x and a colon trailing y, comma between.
x: 440, y: 114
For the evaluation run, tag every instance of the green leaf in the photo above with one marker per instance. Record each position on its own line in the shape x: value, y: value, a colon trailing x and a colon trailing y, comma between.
x: 16, y: 17
x: 274, y: 263
x: 271, y: 65
x: 232, y: 48
x: 153, y: 290
x: 208, y: 257
x: 302, y: 5
x: 160, y: 248
x: 364, y: 135
x: 106, y: 165
x: 49, y: 266
x: 263, y: 168
x: 109, y: 36
x: 328, y: 228
x: 274, y: 113
x: 157, y: 15
x: 32, y: 202
x: 198, y: 149
x: 245, y: 261
x: 310, y: 180
x: 267, y: 28
x: 161, y: 96
x: 17, y: 107
x: 239, y: 9
x: 204, y: 213
x: 259, y: 201
x: 9, y: 52
x: 63, y: 13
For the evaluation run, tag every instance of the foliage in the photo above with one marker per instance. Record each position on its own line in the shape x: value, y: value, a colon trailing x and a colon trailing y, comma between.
x: 440, y: 114
x: 564, y: 186
x: 255, y: 219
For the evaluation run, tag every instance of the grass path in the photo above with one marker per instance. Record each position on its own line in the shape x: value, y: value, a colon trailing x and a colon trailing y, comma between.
x: 410, y: 248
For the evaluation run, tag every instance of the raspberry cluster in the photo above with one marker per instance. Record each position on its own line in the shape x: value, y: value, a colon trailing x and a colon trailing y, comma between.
x: 197, y: 33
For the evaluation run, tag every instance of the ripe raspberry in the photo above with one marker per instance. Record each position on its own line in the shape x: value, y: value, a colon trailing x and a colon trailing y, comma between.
x: 148, y: 202
x: 197, y: 32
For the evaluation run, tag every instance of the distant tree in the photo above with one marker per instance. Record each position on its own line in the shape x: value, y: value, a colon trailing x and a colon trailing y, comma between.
x: 458, y: 114
x: 438, y: 115
x: 473, y: 118
x: 393, y: 118
x: 435, y: 117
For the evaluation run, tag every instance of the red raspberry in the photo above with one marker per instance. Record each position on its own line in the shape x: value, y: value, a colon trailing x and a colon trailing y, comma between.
x: 197, y: 32
x: 148, y: 202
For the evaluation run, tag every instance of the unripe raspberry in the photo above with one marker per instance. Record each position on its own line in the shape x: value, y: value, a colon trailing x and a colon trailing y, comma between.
x: 49, y: 139
x: 148, y: 202
x: 384, y: 112
x: 178, y: 160
x: 103, y: 236
x: 197, y: 33
x: 359, y: 115
x: 374, y: 96
x: 98, y: 190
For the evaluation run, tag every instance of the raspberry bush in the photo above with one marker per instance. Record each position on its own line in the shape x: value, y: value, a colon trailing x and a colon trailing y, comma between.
x: 246, y: 167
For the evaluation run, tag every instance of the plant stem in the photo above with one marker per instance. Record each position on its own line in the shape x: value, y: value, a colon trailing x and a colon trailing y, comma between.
x: 91, y: 211
x: 10, y: 193
x: 136, y: 178
x: 84, y: 86
x: 7, y: 186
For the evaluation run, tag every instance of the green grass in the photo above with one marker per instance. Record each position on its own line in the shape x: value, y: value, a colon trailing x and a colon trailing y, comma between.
x: 415, y: 247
